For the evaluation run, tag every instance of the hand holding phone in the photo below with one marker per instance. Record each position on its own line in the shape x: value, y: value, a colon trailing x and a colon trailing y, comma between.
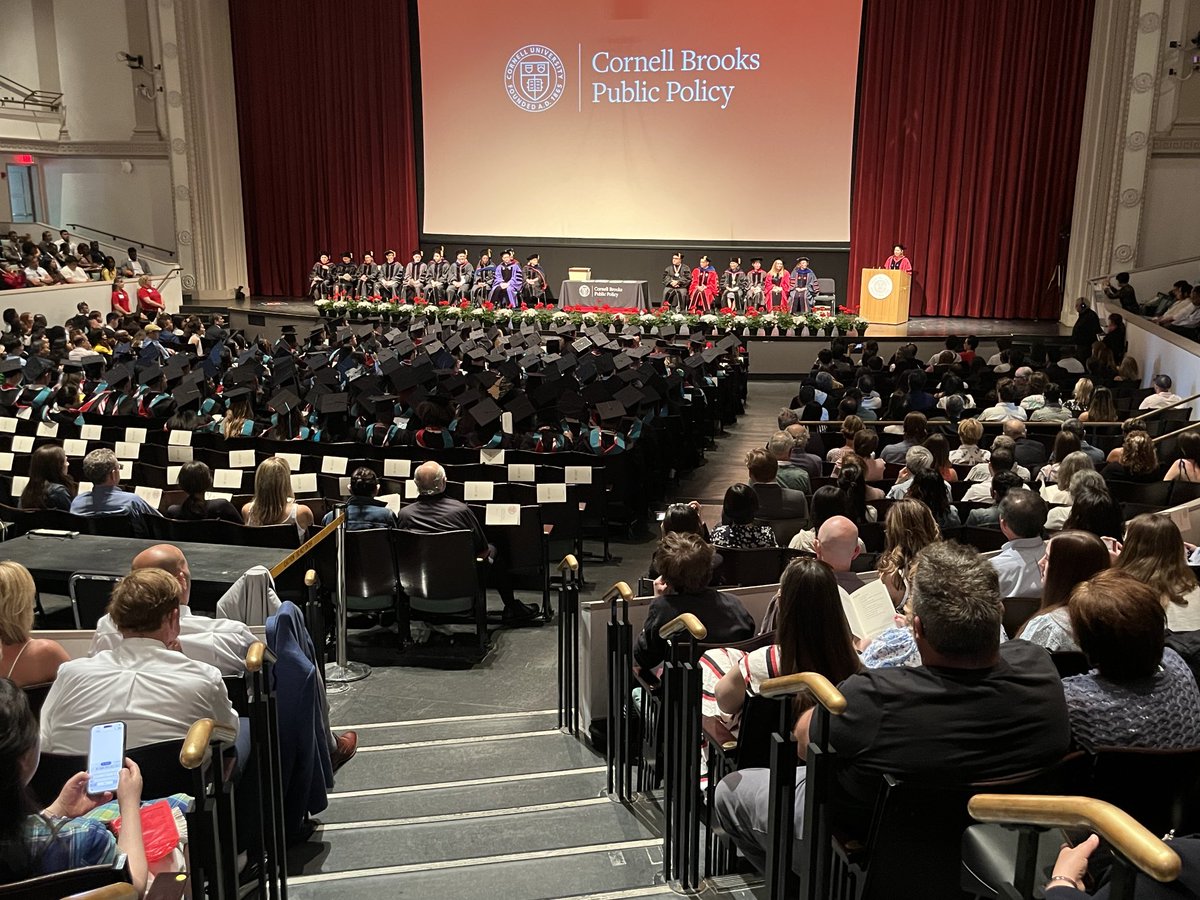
x: 106, y: 756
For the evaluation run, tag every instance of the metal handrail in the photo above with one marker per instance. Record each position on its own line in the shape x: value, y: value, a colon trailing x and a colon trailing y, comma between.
x: 28, y: 96
x: 1170, y: 434
x: 123, y: 238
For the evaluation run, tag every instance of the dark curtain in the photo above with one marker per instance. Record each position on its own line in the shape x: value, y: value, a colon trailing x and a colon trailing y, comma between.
x: 325, y: 122
x: 967, y: 143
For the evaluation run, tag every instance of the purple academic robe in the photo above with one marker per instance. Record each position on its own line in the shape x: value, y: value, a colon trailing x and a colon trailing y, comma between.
x: 511, y: 294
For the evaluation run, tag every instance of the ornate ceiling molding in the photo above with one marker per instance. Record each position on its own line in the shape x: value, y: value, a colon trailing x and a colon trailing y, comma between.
x: 91, y: 149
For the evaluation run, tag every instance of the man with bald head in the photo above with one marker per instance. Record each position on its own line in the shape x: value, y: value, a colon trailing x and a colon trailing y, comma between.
x: 837, y: 545
x: 1026, y: 451
x: 433, y: 513
x: 219, y: 642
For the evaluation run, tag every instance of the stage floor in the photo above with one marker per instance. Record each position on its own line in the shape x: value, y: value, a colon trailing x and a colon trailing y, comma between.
x: 920, y: 328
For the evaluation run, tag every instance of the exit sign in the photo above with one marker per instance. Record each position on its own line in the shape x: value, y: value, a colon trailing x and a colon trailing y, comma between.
x: 23, y: 159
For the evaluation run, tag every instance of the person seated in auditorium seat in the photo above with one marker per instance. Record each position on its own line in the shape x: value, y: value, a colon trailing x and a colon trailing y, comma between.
x: 218, y: 642
x: 809, y: 462
x: 916, y: 429
x: 536, y: 289
x: 272, y: 503
x: 103, y: 470
x: 1122, y: 291
x: 1002, y: 483
x: 62, y: 836
x: 23, y: 660
x: 774, y: 500
x: 433, y: 512
x: 811, y: 635
x: 789, y: 475
x: 975, y: 710
x: 50, y: 485
x: 143, y: 681
x: 738, y: 529
x: 195, y: 478
x: 437, y: 277
x: 684, y: 565
x: 1140, y: 693
x: 1006, y: 406
x: 675, y: 280
x: 132, y: 266
x: 1162, y: 396
x: 362, y: 509
x: 1026, y: 451
x: 733, y: 284
x: 1070, y: 558
x: 1022, y: 518
x: 1178, y: 302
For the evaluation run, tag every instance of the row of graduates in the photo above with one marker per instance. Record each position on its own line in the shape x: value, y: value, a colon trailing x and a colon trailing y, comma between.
x: 506, y: 283
x: 775, y: 289
x: 432, y: 388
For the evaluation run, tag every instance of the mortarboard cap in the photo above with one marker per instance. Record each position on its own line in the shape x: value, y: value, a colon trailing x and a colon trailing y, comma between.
x: 236, y: 393
x: 520, y: 407
x: 284, y: 402
x: 185, y: 395
x: 332, y: 404
x: 150, y: 374
x: 610, y: 410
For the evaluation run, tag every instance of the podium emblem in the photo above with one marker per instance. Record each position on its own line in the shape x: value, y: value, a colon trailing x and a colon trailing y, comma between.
x: 534, y: 78
x: 880, y: 287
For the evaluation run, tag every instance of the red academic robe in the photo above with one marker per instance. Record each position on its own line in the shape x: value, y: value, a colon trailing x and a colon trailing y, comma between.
x: 902, y: 264
x: 785, y: 282
x: 703, y: 290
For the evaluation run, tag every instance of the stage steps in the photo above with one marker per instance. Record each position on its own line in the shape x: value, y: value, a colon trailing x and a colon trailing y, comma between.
x: 488, y: 806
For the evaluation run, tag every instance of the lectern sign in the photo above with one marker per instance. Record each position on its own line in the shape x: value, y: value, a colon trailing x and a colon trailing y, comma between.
x: 880, y: 287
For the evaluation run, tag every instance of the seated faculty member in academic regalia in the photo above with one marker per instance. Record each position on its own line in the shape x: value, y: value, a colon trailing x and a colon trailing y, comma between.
x: 368, y: 274
x: 702, y: 290
x: 485, y: 277
x: 414, y: 276
x: 437, y: 276
x: 777, y: 286
x: 460, y: 277
x: 320, y: 278
x: 733, y: 284
x: 535, y: 279
x: 391, y: 273
x: 506, y: 290
x: 756, y: 278
x: 676, y: 278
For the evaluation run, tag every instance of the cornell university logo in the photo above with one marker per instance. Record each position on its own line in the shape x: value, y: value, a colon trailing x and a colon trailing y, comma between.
x: 534, y: 78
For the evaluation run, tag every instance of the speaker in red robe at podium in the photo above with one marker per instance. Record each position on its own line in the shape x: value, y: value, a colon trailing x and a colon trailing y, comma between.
x: 898, y: 260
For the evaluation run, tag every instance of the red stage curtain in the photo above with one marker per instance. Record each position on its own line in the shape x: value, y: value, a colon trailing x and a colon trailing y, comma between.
x: 325, y: 122
x: 967, y: 143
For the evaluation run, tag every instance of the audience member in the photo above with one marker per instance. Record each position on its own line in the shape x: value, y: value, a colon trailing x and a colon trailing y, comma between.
x: 144, y: 681
x: 1153, y: 552
x: 1076, y: 427
x: 1138, y: 462
x: 990, y: 517
x: 1081, y: 396
x: 866, y: 442
x: 49, y: 486
x: 1027, y: 452
x: 1142, y: 693
x: 1070, y: 559
x: 1001, y: 461
x: 789, y: 474
x: 684, y: 518
x: 1065, y: 443
x: 851, y: 425
x: 362, y: 509
x: 1057, y: 490
x: 968, y: 452
x: 23, y: 660
x: 274, y: 502
x: 1093, y: 508
x: 1022, y: 517
x: 939, y: 447
x: 908, y: 528
x: 738, y: 530
x: 684, y: 564
x: 915, y: 432
x: 433, y: 513
x: 1006, y: 405
x: 103, y: 470
x: 1187, y: 467
x: 929, y: 488
x: 811, y: 635
x: 976, y: 710
x: 62, y: 836
x: 809, y: 462
x: 1052, y: 409
x: 1102, y: 408
x: 774, y: 500
x: 984, y: 471
x: 195, y: 478
x: 828, y: 501
x: 851, y: 481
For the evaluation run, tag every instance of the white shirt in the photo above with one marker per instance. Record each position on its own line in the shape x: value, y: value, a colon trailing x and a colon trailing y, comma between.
x: 221, y: 643
x: 1158, y: 401
x: 78, y: 353
x: 158, y: 694
x: 1072, y: 365
x: 1017, y: 566
x: 969, y: 455
x: 74, y: 275
x: 979, y: 492
x: 1186, y: 320
x: 983, y: 472
x: 32, y: 272
x: 1003, y: 411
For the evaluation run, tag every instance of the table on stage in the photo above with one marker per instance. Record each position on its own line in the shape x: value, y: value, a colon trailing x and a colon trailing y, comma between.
x: 214, y: 567
x: 629, y: 294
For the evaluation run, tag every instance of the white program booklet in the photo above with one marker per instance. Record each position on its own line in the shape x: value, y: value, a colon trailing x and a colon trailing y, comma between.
x: 869, y: 610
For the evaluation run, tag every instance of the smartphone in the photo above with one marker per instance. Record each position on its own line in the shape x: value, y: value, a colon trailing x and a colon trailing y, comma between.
x: 106, y: 757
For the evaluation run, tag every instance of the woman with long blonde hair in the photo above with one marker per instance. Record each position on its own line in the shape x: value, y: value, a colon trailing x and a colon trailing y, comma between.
x: 908, y: 528
x: 273, y: 502
x: 776, y: 287
x: 1081, y: 397
x: 24, y: 660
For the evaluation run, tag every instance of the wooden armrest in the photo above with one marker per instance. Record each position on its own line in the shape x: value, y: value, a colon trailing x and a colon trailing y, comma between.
x: 256, y: 655
x: 168, y: 886
x: 1129, y: 837
x: 816, y: 684
x: 120, y: 891
x: 546, y: 529
x: 717, y: 733
x: 195, y: 745
x: 684, y: 622
x: 620, y: 589
x: 310, y: 578
x: 569, y: 562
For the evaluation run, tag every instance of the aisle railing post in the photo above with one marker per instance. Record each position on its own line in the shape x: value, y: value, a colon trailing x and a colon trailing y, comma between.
x: 343, y: 670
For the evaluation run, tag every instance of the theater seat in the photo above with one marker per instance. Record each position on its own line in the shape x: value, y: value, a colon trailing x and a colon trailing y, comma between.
x: 442, y: 579
x: 989, y: 854
x: 110, y: 882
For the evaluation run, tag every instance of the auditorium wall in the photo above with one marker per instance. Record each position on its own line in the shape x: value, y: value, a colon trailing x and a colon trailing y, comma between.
x: 101, y: 194
x: 1169, y: 231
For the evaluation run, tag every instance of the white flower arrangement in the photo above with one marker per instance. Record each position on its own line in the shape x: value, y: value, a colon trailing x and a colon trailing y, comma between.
x: 740, y: 320
x: 590, y: 318
x: 405, y: 308
x: 324, y: 304
x: 340, y: 304
x: 709, y: 319
x: 451, y: 312
x: 560, y: 317
x: 648, y: 319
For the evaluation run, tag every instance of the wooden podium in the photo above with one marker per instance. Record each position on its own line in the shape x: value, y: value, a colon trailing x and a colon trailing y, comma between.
x: 883, y: 299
